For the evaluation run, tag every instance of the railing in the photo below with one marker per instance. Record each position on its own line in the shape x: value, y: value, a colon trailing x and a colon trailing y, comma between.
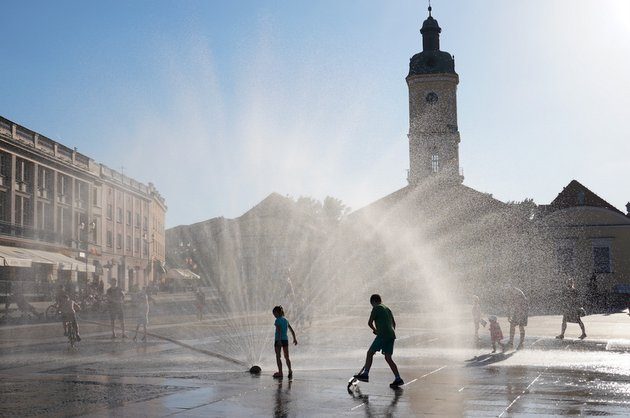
x: 29, y: 232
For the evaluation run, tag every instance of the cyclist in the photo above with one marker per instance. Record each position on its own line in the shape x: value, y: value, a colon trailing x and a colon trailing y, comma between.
x: 68, y: 309
x: 60, y: 295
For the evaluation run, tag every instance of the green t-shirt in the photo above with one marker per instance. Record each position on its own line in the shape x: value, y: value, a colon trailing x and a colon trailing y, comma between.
x: 383, y: 320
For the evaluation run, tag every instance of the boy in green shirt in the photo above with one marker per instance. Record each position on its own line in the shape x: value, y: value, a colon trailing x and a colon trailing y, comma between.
x: 383, y: 318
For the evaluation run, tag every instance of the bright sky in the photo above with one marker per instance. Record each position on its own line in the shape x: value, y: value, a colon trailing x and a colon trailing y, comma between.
x: 221, y: 103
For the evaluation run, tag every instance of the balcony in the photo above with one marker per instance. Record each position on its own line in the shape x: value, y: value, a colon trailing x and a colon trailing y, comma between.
x: 43, y: 193
x: 29, y: 232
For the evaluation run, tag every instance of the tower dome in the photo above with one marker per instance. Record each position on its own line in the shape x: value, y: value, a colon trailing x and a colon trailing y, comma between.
x: 431, y: 60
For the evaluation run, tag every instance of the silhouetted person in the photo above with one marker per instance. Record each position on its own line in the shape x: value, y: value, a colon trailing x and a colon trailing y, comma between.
x: 115, y: 301
x: 200, y: 303
x: 496, y: 335
x: 68, y: 309
x: 518, y: 314
x: 571, y: 309
x: 141, y: 306
x: 384, y: 341
x: 281, y: 340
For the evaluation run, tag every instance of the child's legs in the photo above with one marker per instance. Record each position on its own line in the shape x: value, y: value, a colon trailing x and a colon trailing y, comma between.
x: 564, y: 325
x: 512, y: 331
x: 285, y: 349
x: 368, y: 360
x: 581, y: 324
x: 278, y: 360
x: 392, y: 365
x: 476, y: 328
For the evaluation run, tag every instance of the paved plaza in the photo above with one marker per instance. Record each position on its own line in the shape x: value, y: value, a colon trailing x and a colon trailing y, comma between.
x: 445, y: 373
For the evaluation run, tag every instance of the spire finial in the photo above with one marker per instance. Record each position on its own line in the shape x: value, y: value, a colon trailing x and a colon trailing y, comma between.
x: 430, y: 8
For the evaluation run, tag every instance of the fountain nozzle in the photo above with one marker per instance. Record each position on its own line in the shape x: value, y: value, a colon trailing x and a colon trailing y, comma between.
x: 255, y: 370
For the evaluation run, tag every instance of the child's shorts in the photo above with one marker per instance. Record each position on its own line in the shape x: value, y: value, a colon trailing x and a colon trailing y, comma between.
x: 142, y: 319
x: 281, y: 343
x: 386, y: 346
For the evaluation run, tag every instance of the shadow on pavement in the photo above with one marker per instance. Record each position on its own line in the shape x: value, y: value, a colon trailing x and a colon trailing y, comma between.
x: 485, y: 359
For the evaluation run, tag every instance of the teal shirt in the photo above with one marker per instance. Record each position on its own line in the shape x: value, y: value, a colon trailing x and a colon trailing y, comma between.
x: 284, y: 327
x: 383, y: 320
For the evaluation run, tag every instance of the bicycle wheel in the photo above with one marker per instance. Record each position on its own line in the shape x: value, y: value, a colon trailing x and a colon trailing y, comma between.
x: 72, y: 335
x: 52, y: 312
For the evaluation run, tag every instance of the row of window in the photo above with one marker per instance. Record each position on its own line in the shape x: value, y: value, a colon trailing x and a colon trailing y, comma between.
x: 602, y: 259
x: 119, y: 217
x: 128, y: 247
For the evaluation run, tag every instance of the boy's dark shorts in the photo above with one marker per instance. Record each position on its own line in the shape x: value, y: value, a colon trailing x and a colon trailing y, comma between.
x: 385, y: 345
x: 281, y: 343
x: 116, y: 312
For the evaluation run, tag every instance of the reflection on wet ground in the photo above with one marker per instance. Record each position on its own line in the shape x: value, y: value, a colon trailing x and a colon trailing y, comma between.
x: 445, y: 375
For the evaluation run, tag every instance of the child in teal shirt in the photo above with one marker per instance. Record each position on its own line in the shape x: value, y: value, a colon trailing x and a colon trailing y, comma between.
x: 282, y: 340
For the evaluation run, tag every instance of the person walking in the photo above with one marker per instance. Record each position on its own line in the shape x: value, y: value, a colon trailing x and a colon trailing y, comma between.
x: 115, y: 301
x: 382, y: 317
x: 570, y: 309
x: 518, y: 312
x: 200, y: 303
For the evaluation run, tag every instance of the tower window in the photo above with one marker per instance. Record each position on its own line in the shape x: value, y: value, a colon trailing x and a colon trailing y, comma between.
x: 435, y: 163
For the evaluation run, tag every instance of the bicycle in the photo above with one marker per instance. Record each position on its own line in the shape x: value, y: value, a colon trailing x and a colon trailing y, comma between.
x: 53, y: 312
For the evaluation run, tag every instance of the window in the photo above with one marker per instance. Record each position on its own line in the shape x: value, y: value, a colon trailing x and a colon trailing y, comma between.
x: 94, y: 230
x: 62, y: 184
x: 95, y: 196
x: 435, y: 163
x: 110, y: 211
x: 44, y: 181
x: 566, y: 259
x: 119, y: 241
x: 145, y: 224
x: 136, y: 247
x: 110, y: 239
x: 129, y: 218
x: 128, y: 247
x: 5, y: 165
x: 137, y: 220
x: 119, y: 219
x: 601, y: 259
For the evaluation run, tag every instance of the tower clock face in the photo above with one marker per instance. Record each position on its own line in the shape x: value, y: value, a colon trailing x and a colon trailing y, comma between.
x: 431, y: 98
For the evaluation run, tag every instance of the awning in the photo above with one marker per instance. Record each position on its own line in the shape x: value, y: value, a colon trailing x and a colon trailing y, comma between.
x: 13, y: 257
x: 184, y: 274
x: 23, y: 257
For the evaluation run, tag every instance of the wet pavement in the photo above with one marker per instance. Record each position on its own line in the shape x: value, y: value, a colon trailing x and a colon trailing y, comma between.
x: 445, y: 373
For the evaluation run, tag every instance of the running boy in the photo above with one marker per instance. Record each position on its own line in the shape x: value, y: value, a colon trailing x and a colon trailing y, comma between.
x: 384, y: 341
x: 282, y: 340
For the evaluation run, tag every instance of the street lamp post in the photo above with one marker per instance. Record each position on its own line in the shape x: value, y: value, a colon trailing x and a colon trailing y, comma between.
x: 150, y: 255
x: 86, y: 228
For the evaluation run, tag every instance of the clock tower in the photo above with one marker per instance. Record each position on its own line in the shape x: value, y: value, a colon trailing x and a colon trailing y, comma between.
x: 433, y: 134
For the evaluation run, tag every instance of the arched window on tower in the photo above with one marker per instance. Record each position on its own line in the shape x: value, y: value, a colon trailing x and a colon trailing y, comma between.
x: 435, y: 163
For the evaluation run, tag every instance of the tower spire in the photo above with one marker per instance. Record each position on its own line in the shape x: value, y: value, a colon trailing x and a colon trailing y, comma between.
x: 430, y: 8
